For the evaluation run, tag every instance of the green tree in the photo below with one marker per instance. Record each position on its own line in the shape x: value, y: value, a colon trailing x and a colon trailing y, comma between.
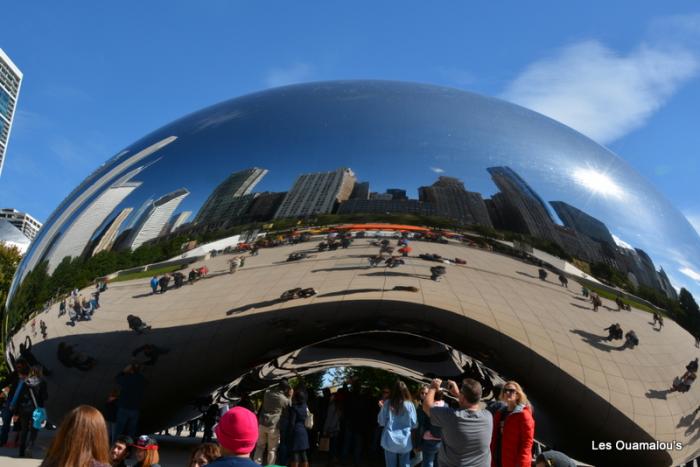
x: 9, y: 260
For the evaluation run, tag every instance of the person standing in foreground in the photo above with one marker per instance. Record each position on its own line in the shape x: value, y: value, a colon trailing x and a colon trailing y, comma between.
x: 120, y: 451
x: 513, y: 429
x: 398, y: 417
x: 275, y: 402
x: 81, y: 440
x: 237, y: 433
x: 466, y: 432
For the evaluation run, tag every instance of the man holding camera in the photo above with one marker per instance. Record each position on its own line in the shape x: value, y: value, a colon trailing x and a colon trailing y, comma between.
x: 466, y: 431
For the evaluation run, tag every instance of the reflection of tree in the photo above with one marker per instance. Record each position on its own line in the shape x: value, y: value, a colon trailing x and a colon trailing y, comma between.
x: 375, y: 379
x: 38, y: 288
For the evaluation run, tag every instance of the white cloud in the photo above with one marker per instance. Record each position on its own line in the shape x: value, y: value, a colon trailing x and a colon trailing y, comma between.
x: 691, y: 273
x: 295, y: 73
x: 621, y: 242
x: 600, y: 92
x: 437, y: 170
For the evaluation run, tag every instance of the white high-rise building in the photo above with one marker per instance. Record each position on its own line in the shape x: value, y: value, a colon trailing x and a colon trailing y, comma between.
x: 109, y: 234
x: 10, y: 82
x: 23, y: 221
x: 176, y: 221
x: 317, y: 193
x: 151, y: 223
x: 77, y: 237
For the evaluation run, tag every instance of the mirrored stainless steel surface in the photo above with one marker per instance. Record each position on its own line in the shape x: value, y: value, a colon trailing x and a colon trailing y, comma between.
x: 317, y: 175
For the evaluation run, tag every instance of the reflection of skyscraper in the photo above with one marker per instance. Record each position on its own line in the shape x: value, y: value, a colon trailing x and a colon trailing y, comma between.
x: 527, y: 211
x: 265, y: 206
x: 109, y: 234
x: 666, y: 285
x: 360, y: 191
x: 75, y: 201
x: 76, y: 238
x: 317, y: 193
x: 397, y: 193
x: 156, y: 216
x: 176, y: 222
x: 648, y: 275
x: 450, y: 199
x: 386, y: 206
x: 224, y: 202
x: 581, y: 222
x: 10, y: 82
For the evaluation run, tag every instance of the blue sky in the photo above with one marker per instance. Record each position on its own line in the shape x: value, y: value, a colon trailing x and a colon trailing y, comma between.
x: 98, y: 77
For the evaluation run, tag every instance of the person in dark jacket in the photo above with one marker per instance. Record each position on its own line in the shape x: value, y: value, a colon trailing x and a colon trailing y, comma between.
x: 131, y: 388
x: 11, y: 382
x: 30, y: 395
x: 297, y: 436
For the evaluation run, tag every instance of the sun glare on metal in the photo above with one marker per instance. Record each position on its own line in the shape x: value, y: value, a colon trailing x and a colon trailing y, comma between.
x: 598, y: 182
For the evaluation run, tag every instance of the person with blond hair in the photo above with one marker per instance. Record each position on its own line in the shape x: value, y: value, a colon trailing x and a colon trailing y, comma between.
x: 513, y: 429
x: 145, y: 452
x: 81, y: 440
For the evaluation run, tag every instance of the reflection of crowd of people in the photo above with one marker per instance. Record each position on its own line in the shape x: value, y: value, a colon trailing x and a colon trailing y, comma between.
x: 435, y: 429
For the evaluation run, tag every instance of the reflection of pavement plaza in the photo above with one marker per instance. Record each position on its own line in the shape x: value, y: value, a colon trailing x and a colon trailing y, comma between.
x: 497, y: 291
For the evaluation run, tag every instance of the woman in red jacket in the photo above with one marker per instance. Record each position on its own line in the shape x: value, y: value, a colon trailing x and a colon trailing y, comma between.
x: 513, y: 429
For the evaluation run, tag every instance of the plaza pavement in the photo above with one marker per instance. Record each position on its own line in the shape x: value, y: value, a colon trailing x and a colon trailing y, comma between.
x: 500, y: 292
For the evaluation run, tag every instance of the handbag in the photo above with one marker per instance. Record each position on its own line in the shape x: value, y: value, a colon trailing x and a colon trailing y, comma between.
x: 39, y: 414
x: 324, y: 444
x: 309, y: 421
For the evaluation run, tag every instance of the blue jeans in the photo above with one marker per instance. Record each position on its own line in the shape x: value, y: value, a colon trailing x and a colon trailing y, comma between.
x: 6, y: 422
x: 430, y: 450
x: 397, y: 459
x: 127, y: 422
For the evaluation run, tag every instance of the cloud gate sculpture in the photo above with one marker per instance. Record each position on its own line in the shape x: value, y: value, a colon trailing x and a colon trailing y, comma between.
x: 390, y: 224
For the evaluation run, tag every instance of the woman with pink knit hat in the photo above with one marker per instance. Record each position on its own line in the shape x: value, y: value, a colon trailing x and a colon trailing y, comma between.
x: 237, y: 433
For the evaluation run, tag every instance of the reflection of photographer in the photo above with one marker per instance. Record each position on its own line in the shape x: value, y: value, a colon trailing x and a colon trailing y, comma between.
x: 131, y: 388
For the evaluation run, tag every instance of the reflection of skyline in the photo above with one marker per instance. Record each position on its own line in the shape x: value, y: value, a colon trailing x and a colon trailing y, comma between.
x: 76, y: 202
x: 515, y: 207
x: 76, y: 237
x: 314, y: 126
